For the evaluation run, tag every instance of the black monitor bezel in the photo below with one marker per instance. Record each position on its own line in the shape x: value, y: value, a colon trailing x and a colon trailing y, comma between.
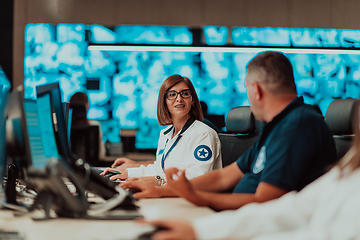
x: 19, y: 152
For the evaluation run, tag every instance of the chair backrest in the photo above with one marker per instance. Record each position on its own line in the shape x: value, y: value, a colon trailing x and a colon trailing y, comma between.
x: 84, y: 142
x: 242, y: 133
x: 79, y: 112
x: 339, y: 118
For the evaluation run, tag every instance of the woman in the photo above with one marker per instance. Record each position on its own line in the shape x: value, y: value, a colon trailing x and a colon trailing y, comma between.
x: 327, y: 209
x: 187, y: 143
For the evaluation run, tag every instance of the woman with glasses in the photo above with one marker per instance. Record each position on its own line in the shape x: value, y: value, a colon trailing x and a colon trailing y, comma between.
x: 187, y: 143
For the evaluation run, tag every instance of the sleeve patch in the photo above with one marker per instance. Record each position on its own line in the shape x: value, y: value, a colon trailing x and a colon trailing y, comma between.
x: 202, y: 153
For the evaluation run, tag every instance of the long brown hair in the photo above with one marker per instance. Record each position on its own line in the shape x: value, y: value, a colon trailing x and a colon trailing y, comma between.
x: 163, y: 114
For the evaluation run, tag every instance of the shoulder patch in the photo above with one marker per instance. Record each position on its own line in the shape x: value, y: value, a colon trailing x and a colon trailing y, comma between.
x: 260, y: 161
x: 202, y: 153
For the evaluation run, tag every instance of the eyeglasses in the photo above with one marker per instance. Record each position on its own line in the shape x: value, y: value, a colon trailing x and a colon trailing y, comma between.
x: 171, y: 95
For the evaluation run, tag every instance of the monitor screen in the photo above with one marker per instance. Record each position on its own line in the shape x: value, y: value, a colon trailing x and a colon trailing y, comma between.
x: 69, y: 122
x: 51, y: 94
x: 41, y: 132
x: 30, y: 132
x: 4, y: 91
x: 123, y: 86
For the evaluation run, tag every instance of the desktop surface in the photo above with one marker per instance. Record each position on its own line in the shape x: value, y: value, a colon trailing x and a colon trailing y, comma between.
x: 65, y: 228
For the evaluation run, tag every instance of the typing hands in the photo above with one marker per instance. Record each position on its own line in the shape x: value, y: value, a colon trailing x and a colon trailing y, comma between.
x: 151, y: 180
x: 120, y: 165
x: 122, y: 175
x: 146, y: 190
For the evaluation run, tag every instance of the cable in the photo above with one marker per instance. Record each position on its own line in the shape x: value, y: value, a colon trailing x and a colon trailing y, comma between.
x: 98, y: 208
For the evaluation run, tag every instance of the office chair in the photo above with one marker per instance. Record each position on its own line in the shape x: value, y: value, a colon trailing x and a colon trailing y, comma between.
x: 339, y: 118
x: 242, y: 133
x: 84, y: 141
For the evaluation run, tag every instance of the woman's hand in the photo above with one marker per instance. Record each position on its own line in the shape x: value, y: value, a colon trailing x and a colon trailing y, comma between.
x: 121, y: 164
x: 146, y: 190
x: 123, y: 175
x: 125, y: 163
x: 151, y: 180
x: 107, y: 170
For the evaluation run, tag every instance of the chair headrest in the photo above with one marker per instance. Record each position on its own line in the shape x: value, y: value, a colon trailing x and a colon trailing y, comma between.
x: 240, y: 120
x: 339, y: 116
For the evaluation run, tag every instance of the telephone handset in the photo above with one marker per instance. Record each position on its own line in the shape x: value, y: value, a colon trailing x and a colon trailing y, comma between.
x: 53, y: 193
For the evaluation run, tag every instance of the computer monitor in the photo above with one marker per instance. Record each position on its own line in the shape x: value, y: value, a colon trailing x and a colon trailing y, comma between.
x: 17, y: 144
x: 51, y: 93
x: 4, y: 92
x: 32, y: 146
x: 40, y: 133
x: 89, y: 177
x: 29, y: 145
x: 17, y: 139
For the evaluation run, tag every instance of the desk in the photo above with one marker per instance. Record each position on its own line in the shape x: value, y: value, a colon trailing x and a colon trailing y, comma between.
x: 78, y: 229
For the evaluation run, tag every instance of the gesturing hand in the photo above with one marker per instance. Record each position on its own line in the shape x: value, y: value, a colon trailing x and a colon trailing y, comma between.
x: 179, y: 184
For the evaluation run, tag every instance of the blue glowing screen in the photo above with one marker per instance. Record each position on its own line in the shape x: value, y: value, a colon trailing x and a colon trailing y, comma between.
x: 4, y: 92
x: 123, y: 86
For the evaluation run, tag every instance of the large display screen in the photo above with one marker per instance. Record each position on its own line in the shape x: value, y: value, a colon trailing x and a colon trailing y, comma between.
x: 123, y: 85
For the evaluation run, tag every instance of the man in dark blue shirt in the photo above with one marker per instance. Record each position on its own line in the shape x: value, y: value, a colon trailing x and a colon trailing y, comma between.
x: 295, y: 146
x: 293, y: 150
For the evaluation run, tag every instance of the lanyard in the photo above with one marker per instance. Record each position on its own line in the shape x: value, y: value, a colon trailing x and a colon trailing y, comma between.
x: 186, y: 126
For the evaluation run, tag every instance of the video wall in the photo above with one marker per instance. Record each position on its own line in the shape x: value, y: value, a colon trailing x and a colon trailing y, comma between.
x: 123, y: 86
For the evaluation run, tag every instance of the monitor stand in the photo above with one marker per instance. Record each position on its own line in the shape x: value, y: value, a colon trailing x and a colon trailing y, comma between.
x: 10, y: 189
x: 44, y: 200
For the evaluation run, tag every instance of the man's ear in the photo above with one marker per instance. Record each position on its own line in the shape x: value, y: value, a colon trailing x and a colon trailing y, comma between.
x: 258, y: 91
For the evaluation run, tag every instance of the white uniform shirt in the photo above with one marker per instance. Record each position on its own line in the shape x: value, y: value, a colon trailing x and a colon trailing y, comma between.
x: 327, y: 209
x: 198, y: 151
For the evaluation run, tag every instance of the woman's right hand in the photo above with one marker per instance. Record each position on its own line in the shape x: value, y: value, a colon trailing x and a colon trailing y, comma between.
x: 146, y: 190
x: 109, y: 169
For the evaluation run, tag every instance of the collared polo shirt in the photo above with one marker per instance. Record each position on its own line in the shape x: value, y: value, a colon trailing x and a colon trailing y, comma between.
x: 294, y: 149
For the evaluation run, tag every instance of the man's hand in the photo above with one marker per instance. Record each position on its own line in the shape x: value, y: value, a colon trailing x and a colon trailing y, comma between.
x: 179, y: 184
x: 146, y: 190
x: 173, y: 230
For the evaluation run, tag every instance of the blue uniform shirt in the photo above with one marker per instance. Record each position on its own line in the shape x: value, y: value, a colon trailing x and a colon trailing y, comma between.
x: 294, y: 149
